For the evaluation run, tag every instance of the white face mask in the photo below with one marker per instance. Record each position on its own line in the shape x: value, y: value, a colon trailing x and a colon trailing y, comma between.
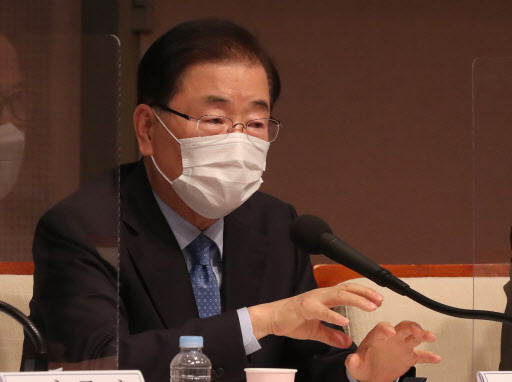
x: 12, y: 145
x: 220, y: 172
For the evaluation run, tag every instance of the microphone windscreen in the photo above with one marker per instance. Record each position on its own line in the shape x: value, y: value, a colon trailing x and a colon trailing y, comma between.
x: 306, y: 231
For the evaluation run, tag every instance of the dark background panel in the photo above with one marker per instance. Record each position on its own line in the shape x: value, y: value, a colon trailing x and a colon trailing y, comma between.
x: 377, y: 106
x: 378, y: 103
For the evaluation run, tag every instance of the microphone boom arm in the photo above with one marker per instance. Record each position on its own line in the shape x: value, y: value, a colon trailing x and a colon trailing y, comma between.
x: 41, y: 354
x: 457, y: 312
x: 366, y: 267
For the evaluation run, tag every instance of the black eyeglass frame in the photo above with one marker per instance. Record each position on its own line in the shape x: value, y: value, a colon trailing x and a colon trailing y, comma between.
x: 233, y: 124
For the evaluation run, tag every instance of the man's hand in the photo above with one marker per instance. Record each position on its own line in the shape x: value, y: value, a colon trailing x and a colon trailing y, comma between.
x: 300, y: 316
x: 388, y: 352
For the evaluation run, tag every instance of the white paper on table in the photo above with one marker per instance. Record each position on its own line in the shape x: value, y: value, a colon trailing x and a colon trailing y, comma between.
x: 494, y: 376
x: 73, y: 376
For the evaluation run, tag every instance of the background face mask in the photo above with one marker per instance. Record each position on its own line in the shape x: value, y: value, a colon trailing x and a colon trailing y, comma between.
x: 12, y: 146
x: 218, y: 174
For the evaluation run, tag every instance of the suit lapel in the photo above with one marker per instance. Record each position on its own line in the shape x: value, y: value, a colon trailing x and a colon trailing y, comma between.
x: 155, y: 252
x: 243, y: 261
x: 156, y: 255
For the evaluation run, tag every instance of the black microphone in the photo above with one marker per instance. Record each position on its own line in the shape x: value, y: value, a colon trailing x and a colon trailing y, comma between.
x: 40, y: 358
x: 314, y: 236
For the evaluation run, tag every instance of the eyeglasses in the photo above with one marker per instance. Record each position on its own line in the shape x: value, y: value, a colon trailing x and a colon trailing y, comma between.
x: 18, y: 103
x: 210, y: 125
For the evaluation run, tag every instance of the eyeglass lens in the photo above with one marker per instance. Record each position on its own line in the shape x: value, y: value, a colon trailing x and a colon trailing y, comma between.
x: 265, y: 129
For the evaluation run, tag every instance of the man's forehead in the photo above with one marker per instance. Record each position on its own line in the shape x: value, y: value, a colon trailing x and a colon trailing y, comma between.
x: 222, y: 84
x: 213, y: 99
x: 213, y: 81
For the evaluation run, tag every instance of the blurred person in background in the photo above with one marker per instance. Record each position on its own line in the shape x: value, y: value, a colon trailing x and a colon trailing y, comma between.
x: 25, y: 139
x: 15, y: 232
x: 13, y: 117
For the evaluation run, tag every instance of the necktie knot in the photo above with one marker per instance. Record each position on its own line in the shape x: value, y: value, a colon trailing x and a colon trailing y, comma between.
x: 200, y: 249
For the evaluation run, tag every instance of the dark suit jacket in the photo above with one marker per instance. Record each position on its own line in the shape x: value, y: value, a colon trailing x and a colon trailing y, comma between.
x: 77, y: 306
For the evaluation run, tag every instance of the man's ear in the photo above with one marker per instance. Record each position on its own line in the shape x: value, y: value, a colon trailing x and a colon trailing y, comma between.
x: 143, y: 121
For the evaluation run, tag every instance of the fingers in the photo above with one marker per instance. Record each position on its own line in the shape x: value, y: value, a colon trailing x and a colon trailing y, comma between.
x: 353, y: 361
x: 413, y: 334
x: 423, y: 356
x: 316, y: 304
x: 314, y: 310
x: 387, y: 352
x: 429, y: 336
x: 331, y: 337
x: 353, y: 295
x: 286, y: 317
x: 406, y: 333
x: 362, y: 291
x: 409, y: 332
x: 332, y: 317
x: 382, y: 331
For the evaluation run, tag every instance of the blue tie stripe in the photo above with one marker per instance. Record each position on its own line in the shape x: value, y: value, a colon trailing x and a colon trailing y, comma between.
x: 204, y: 282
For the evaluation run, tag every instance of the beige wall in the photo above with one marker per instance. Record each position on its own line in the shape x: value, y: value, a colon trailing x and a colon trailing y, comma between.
x: 377, y: 107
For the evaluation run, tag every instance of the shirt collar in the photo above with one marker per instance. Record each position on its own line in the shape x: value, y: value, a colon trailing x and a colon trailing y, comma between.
x: 185, y: 232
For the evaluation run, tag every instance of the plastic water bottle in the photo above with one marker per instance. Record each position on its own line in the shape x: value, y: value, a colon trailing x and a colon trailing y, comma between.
x: 190, y: 364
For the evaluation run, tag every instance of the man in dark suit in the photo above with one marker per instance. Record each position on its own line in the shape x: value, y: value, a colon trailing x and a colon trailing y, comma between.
x: 201, y: 252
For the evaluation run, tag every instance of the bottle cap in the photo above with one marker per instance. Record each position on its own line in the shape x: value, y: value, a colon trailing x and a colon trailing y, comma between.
x: 191, y: 342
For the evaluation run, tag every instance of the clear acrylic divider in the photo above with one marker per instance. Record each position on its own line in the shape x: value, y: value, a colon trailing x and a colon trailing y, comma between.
x: 443, y: 210
x: 59, y: 102
x: 492, y: 197
x: 426, y: 207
